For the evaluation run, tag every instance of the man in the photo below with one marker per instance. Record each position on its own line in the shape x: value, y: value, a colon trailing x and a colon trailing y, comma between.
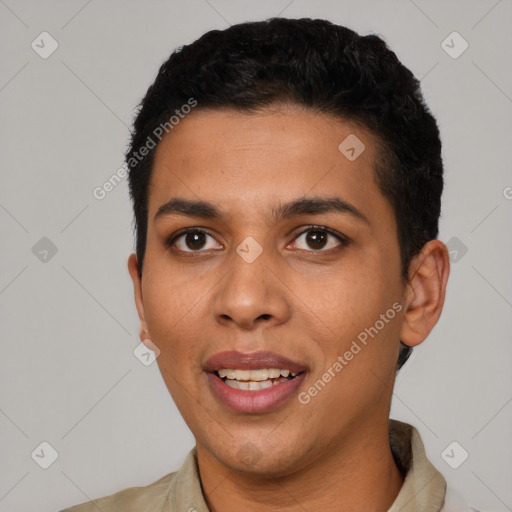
x: 286, y: 178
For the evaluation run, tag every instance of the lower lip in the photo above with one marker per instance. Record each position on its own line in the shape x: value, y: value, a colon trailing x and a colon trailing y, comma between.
x: 263, y: 400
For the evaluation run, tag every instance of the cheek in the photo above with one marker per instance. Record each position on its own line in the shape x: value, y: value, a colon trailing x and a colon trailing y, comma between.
x: 360, y: 347
x: 173, y: 311
x: 356, y: 316
x: 349, y: 298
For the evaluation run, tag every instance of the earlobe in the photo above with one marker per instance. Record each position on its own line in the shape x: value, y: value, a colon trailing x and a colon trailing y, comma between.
x: 137, y: 292
x: 426, y: 289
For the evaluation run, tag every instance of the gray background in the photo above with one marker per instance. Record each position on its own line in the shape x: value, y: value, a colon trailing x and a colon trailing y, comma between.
x: 68, y: 323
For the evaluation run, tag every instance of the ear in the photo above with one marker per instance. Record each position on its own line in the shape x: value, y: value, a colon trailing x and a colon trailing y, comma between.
x: 425, y: 292
x: 137, y: 291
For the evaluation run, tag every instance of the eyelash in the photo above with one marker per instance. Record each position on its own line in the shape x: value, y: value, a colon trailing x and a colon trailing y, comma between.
x: 344, y: 240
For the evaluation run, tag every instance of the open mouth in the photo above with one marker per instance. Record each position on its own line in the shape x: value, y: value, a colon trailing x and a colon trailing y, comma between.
x: 254, y: 380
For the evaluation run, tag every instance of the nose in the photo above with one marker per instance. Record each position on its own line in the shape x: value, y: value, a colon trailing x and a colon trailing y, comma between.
x: 251, y: 295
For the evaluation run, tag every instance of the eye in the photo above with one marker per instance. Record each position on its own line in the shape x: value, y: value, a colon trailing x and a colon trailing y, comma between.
x: 319, y: 239
x: 194, y: 240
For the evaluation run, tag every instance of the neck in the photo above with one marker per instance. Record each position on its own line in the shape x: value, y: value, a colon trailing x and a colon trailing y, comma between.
x: 358, y: 474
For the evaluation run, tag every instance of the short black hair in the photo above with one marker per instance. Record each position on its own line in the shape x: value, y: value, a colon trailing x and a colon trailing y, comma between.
x: 316, y: 64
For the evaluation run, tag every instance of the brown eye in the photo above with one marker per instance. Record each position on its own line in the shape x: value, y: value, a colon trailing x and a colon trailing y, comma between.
x: 194, y: 240
x: 316, y: 239
x: 319, y: 239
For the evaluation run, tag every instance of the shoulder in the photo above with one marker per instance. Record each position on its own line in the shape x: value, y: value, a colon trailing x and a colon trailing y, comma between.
x: 140, y: 499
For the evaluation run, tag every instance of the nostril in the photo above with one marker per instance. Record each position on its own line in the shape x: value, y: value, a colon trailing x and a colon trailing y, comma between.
x: 265, y: 316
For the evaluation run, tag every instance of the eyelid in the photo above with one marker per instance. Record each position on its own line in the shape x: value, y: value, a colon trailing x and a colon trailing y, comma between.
x: 344, y: 240
x: 171, y: 241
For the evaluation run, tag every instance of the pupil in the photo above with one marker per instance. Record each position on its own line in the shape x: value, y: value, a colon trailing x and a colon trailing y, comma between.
x: 195, y: 240
x: 316, y: 239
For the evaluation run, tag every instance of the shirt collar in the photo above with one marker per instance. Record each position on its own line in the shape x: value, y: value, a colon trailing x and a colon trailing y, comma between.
x: 424, y: 488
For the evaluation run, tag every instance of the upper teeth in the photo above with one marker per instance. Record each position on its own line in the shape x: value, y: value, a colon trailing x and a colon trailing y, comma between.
x: 255, y: 375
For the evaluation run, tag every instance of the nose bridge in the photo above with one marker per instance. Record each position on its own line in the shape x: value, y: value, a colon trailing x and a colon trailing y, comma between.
x: 250, y: 291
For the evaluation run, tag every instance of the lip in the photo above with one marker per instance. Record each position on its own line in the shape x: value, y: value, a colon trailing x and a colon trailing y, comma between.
x: 253, y: 402
x: 251, y: 361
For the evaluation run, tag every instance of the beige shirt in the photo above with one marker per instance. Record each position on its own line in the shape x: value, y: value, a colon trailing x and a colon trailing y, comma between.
x: 423, y: 490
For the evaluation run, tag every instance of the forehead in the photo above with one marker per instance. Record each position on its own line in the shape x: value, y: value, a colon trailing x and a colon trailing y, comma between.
x: 235, y: 157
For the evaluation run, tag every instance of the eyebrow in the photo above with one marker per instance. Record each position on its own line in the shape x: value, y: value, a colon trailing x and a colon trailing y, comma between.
x: 302, y: 206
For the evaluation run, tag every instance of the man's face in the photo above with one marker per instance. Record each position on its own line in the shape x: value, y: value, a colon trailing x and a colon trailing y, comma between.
x: 304, y: 282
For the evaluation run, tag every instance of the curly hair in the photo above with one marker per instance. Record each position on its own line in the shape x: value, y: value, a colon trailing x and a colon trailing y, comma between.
x: 324, y: 67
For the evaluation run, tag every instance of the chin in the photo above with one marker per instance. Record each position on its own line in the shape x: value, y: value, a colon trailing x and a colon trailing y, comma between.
x: 259, y: 457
